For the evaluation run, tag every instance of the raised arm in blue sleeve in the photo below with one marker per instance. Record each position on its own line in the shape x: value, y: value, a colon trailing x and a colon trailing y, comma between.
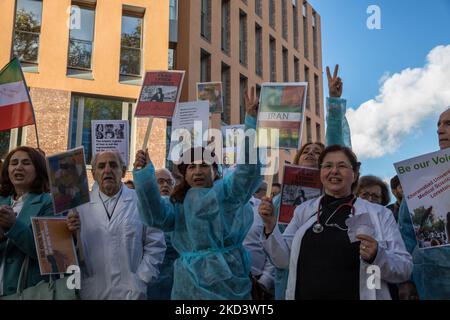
x: 155, y: 211
x: 338, y: 130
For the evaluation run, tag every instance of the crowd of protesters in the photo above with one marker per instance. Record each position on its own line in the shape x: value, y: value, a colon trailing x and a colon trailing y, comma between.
x: 207, y: 236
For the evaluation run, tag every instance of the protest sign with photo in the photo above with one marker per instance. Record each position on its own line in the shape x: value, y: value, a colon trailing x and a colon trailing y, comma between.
x: 54, y: 245
x: 299, y: 185
x: 111, y: 135
x: 212, y: 92
x: 159, y: 94
x: 233, y: 140
x: 425, y: 182
x: 193, y: 117
x: 68, y: 179
x: 282, y: 107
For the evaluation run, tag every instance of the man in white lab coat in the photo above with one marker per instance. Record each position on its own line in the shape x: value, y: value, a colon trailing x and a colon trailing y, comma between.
x: 122, y: 256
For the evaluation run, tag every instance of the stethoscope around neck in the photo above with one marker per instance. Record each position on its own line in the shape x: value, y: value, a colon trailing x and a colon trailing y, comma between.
x: 318, y: 227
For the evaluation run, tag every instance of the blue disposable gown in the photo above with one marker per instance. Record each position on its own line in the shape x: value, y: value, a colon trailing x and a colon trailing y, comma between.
x: 338, y: 130
x: 208, y: 229
x: 431, y: 272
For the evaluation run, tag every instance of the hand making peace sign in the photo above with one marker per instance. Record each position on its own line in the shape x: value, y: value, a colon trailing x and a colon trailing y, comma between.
x: 335, y: 84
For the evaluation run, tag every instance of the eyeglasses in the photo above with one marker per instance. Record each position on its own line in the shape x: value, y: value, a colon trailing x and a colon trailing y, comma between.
x: 340, y: 166
x: 170, y: 182
x: 367, y: 195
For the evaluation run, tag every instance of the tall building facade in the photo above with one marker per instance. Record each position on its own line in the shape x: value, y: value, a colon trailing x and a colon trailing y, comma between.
x: 244, y: 43
x: 84, y: 60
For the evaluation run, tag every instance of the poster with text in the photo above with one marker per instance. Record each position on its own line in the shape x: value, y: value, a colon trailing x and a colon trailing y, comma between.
x: 54, y: 245
x: 212, y: 92
x: 111, y: 135
x: 300, y: 184
x: 426, y: 188
x: 159, y: 94
x: 68, y: 179
x: 233, y: 142
x: 190, y: 122
x: 281, y: 108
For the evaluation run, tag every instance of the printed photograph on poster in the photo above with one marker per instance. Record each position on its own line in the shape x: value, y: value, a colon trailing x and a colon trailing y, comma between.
x: 300, y: 184
x: 160, y: 93
x: 193, y: 118
x: 233, y: 139
x: 281, y: 107
x: 425, y: 181
x: 111, y: 135
x: 68, y: 179
x: 54, y: 245
x: 212, y: 92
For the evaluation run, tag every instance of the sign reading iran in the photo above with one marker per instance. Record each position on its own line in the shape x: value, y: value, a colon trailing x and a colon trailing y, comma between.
x: 15, y: 105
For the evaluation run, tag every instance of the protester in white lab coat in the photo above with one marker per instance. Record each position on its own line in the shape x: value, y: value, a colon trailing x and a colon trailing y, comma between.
x: 323, y: 263
x: 122, y: 256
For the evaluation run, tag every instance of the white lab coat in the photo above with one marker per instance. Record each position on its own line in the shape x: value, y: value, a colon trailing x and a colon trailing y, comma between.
x: 260, y: 263
x: 122, y: 256
x: 393, y: 259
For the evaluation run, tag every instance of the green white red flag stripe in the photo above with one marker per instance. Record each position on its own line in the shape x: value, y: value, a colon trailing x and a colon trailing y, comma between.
x: 15, y: 106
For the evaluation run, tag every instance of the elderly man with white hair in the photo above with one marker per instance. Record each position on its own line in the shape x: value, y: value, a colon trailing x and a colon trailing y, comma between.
x: 122, y: 255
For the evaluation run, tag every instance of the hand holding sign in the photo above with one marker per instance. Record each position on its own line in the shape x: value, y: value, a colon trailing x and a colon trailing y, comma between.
x: 335, y: 84
x: 142, y: 159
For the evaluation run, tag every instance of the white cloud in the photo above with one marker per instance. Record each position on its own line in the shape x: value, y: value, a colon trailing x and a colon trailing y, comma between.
x: 406, y: 99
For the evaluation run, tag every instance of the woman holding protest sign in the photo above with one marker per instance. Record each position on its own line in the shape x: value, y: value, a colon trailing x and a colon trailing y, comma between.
x: 316, y: 247
x: 209, y: 218
x: 24, y: 183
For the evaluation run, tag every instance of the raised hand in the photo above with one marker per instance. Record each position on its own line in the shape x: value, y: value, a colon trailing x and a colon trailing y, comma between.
x: 267, y: 212
x: 142, y: 159
x: 251, y: 102
x: 335, y: 84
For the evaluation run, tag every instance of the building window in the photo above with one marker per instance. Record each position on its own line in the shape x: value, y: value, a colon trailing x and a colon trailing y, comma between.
x: 258, y: 8
x: 273, y: 59
x: 317, y: 94
x: 171, y: 64
x: 296, y: 69
x: 11, y: 139
x: 85, y: 109
x: 284, y: 18
x: 27, y: 29
x: 80, y: 40
x: 226, y: 26
x: 205, y: 66
x: 205, y: 19
x: 272, y: 13
x: 226, y: 91
x: 308, y: 106
x: 258, y: 51
x: 173, y: 10
x: 295, y: 25
x: 243, y: 38
x: 314, y: 28
x: 318, y: 133
x: 285, y: 65
x: 242, y: 86
x: 305, y: 30
x: 308, y: 130
x: 131, y: 45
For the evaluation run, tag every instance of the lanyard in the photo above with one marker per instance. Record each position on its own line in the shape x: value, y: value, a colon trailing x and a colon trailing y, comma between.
x: 103, y: 202
x: 318, y: 227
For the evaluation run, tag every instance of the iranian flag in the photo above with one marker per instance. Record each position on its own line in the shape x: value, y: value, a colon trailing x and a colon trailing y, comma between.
x: 15, y: 104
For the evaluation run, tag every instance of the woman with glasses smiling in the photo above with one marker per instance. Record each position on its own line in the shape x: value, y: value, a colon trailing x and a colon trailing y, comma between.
x: 323, y: 263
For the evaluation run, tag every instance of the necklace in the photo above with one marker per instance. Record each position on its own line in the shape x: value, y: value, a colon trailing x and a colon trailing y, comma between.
x: 115, y: 205
x: 318, y: 227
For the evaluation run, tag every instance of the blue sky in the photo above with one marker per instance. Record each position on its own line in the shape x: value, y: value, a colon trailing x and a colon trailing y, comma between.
x: 410, y: 30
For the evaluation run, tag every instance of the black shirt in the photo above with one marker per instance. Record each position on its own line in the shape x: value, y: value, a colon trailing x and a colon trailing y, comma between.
x: 328, y: 264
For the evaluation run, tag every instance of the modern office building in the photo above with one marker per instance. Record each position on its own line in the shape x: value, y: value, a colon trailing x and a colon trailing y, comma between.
x: 84, y: 60
x: 244, y: 43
